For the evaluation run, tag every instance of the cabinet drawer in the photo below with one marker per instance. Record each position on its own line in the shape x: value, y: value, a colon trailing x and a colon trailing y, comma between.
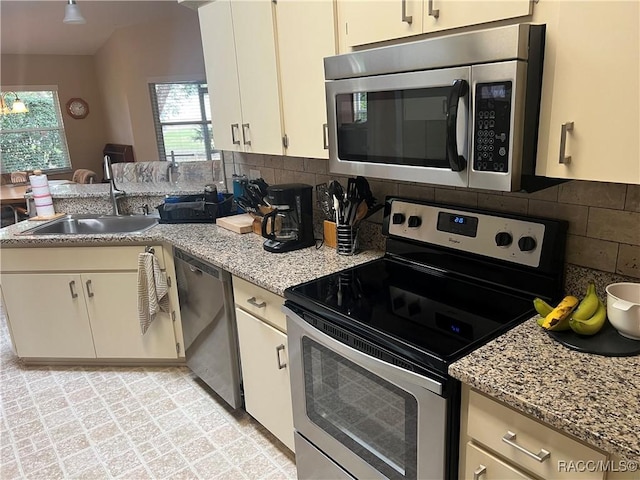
x: 69, y: 259
x: 484, y: 466
x: 491, y: 423
x: 260, y: 302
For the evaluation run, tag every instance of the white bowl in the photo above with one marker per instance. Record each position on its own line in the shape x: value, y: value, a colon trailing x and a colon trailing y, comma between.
x: 623, y: 308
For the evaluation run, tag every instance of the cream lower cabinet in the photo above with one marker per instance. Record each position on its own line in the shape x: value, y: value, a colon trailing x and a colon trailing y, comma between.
x: 360, y: 23
x: 81, y: 303
x: 590, y: 111
x: 263, y: 355
x: 497, y: 442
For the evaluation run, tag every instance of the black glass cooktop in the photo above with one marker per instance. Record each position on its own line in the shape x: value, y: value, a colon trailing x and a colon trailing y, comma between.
x: 428, y: 316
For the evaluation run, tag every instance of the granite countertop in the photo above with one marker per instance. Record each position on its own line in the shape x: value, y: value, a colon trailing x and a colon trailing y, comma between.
x: 241, y: 255
x: 101, y: 190
x: 592, y: 397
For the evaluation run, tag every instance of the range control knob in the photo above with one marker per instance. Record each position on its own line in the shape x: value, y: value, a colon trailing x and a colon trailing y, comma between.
x: 503, y: 239
x: 414, y: 221
x: 527, y: 244
x: 398, y: 218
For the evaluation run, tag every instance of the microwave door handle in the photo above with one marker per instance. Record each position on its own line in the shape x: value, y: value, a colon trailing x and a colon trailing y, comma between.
x: 458, y: 90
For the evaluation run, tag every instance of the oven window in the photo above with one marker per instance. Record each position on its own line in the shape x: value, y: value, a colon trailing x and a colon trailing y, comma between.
x: 403, y: 127
x: 372, y: 417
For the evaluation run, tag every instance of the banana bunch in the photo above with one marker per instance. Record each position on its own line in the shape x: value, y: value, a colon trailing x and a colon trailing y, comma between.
x: 584, y: 317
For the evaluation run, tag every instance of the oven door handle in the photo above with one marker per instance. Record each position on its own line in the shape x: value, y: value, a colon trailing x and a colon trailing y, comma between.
x: 459, y: 89
x: 297, y: 328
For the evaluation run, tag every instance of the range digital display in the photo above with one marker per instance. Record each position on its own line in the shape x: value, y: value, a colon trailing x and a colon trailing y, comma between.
x: 459, y: 224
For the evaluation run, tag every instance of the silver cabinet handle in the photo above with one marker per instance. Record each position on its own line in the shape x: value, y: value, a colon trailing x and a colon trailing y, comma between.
x: 254, y: 302
x: 432, y: 12
x: 325, y: 136
x: 405, y: 17
x: 541, y: 456
x: 566, y: 127
x: 89, y: 291
x: 72, y: 287
x: 280, y: 348
x: 234, y: 129
x: 481, y: 470
x: 245, y: 134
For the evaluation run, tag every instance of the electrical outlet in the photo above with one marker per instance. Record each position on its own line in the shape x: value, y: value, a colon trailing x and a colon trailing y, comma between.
x: 254, y: 174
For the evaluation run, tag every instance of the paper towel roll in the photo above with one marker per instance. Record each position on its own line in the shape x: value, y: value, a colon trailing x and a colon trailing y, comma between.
x: 42, y: 195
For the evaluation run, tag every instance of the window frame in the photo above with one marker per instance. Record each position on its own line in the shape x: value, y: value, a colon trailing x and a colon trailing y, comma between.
x: 209, y: 152
x: 60, y: 119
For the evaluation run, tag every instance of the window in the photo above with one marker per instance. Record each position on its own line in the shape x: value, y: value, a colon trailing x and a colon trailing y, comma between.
x: 182, y: 116
x: 34, y: 140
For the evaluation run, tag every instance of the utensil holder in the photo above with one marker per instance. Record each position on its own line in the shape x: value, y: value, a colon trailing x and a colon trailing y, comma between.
x: 347, y: 240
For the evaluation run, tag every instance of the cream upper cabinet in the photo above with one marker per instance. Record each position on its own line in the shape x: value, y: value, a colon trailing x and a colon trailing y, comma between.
x: 360, y: 23
x: 589, y: 120
x: 238, y: 41
x: 306, y: 35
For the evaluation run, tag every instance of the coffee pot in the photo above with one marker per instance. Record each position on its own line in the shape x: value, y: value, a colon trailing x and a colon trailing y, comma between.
x: 289, y: 226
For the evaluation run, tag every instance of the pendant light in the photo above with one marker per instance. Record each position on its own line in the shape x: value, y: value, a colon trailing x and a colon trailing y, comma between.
x: 72, y: 14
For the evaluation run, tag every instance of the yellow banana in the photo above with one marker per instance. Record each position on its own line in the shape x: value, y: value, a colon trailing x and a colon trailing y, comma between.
x: 588, y: 306
x: 542, y: 307
x: 557, y: 319
x: 592, y: 325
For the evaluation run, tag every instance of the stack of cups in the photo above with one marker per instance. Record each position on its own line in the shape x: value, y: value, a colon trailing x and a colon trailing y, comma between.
x: 347, y: 243
x: 41, y: 194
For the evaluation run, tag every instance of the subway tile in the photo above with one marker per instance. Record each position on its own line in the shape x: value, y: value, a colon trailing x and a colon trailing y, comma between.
x: 576, y: 215
x: 456, y: 197
x: 293, y: 163
x: 315, y: 165
x: 274, y: 161
x: 595, y: 194
x: 628, y: 260
x: 381, y: 189
x: 614, y: 225
x: 591, y: 253
x: 413, y: 190
x: 503, y: 203
x: 632, y: 202
x: 550, y: 194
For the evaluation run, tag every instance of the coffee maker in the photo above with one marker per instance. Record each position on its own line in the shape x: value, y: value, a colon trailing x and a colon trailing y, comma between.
x: 289, y: 226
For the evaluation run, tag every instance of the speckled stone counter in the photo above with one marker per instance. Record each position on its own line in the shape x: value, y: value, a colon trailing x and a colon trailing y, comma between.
x: 594, y: 398
x: 241, y: 255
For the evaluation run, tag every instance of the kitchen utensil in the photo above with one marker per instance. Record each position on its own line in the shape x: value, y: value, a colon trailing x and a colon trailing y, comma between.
x: 623, y: 308
x: 324, y: 201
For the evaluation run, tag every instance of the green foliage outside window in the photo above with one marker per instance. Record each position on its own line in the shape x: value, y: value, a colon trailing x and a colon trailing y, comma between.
x: 36, y: 139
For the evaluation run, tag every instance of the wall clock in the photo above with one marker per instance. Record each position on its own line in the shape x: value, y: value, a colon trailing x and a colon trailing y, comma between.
x: 77, y: 108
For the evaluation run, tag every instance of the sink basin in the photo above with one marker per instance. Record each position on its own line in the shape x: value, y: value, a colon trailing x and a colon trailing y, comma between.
x: 91, y: 224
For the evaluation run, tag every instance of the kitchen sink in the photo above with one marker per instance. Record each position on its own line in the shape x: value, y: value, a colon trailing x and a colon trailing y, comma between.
x: 81, y: 224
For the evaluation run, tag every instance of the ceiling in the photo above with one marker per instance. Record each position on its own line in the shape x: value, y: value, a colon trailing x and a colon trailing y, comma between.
x: 35, y: 27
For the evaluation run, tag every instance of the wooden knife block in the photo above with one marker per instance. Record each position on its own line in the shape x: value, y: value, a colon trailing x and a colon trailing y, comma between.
x: 330, y: 235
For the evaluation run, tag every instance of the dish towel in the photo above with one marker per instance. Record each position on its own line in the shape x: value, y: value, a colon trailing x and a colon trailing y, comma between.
x: 152, y: 290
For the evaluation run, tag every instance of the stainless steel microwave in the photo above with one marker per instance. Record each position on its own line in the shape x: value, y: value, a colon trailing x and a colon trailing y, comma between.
x: 459, y: 110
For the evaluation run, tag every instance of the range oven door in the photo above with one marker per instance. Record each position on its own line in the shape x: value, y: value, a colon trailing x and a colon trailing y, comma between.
x: 406, y: 126
x: 372, y: 418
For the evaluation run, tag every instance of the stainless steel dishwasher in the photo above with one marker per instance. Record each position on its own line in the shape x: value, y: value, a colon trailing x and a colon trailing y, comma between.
x: 209, y: 325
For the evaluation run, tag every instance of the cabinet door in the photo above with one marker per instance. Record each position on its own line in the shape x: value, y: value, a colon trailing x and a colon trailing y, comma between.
x: 255, y: 41
x: 306, y: 35
x: 460, y: 13
x: 47, y: 315
x: 112, y: 303
x: 482, y: 465
x: 360, y: 23
x: 591, y: 78
x: 219, y: 51
x: 265, y: 375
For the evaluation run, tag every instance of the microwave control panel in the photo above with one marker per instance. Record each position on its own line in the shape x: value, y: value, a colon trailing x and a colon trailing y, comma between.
x: 487, y: 234
x: 492, y: 127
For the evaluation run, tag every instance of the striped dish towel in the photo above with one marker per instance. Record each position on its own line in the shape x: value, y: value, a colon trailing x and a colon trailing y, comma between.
x: 152, y: 290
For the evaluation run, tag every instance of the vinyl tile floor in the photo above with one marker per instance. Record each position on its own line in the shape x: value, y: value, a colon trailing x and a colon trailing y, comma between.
x: 60, y: 422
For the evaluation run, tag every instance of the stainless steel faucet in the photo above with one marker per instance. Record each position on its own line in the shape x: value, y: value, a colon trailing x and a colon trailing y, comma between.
x: 114, y: 192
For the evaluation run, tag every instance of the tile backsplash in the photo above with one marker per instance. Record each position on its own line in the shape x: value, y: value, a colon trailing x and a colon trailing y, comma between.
x: 604, y: 218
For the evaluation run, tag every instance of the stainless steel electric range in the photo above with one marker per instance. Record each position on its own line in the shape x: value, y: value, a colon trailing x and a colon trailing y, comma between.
x: 369, y: 346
